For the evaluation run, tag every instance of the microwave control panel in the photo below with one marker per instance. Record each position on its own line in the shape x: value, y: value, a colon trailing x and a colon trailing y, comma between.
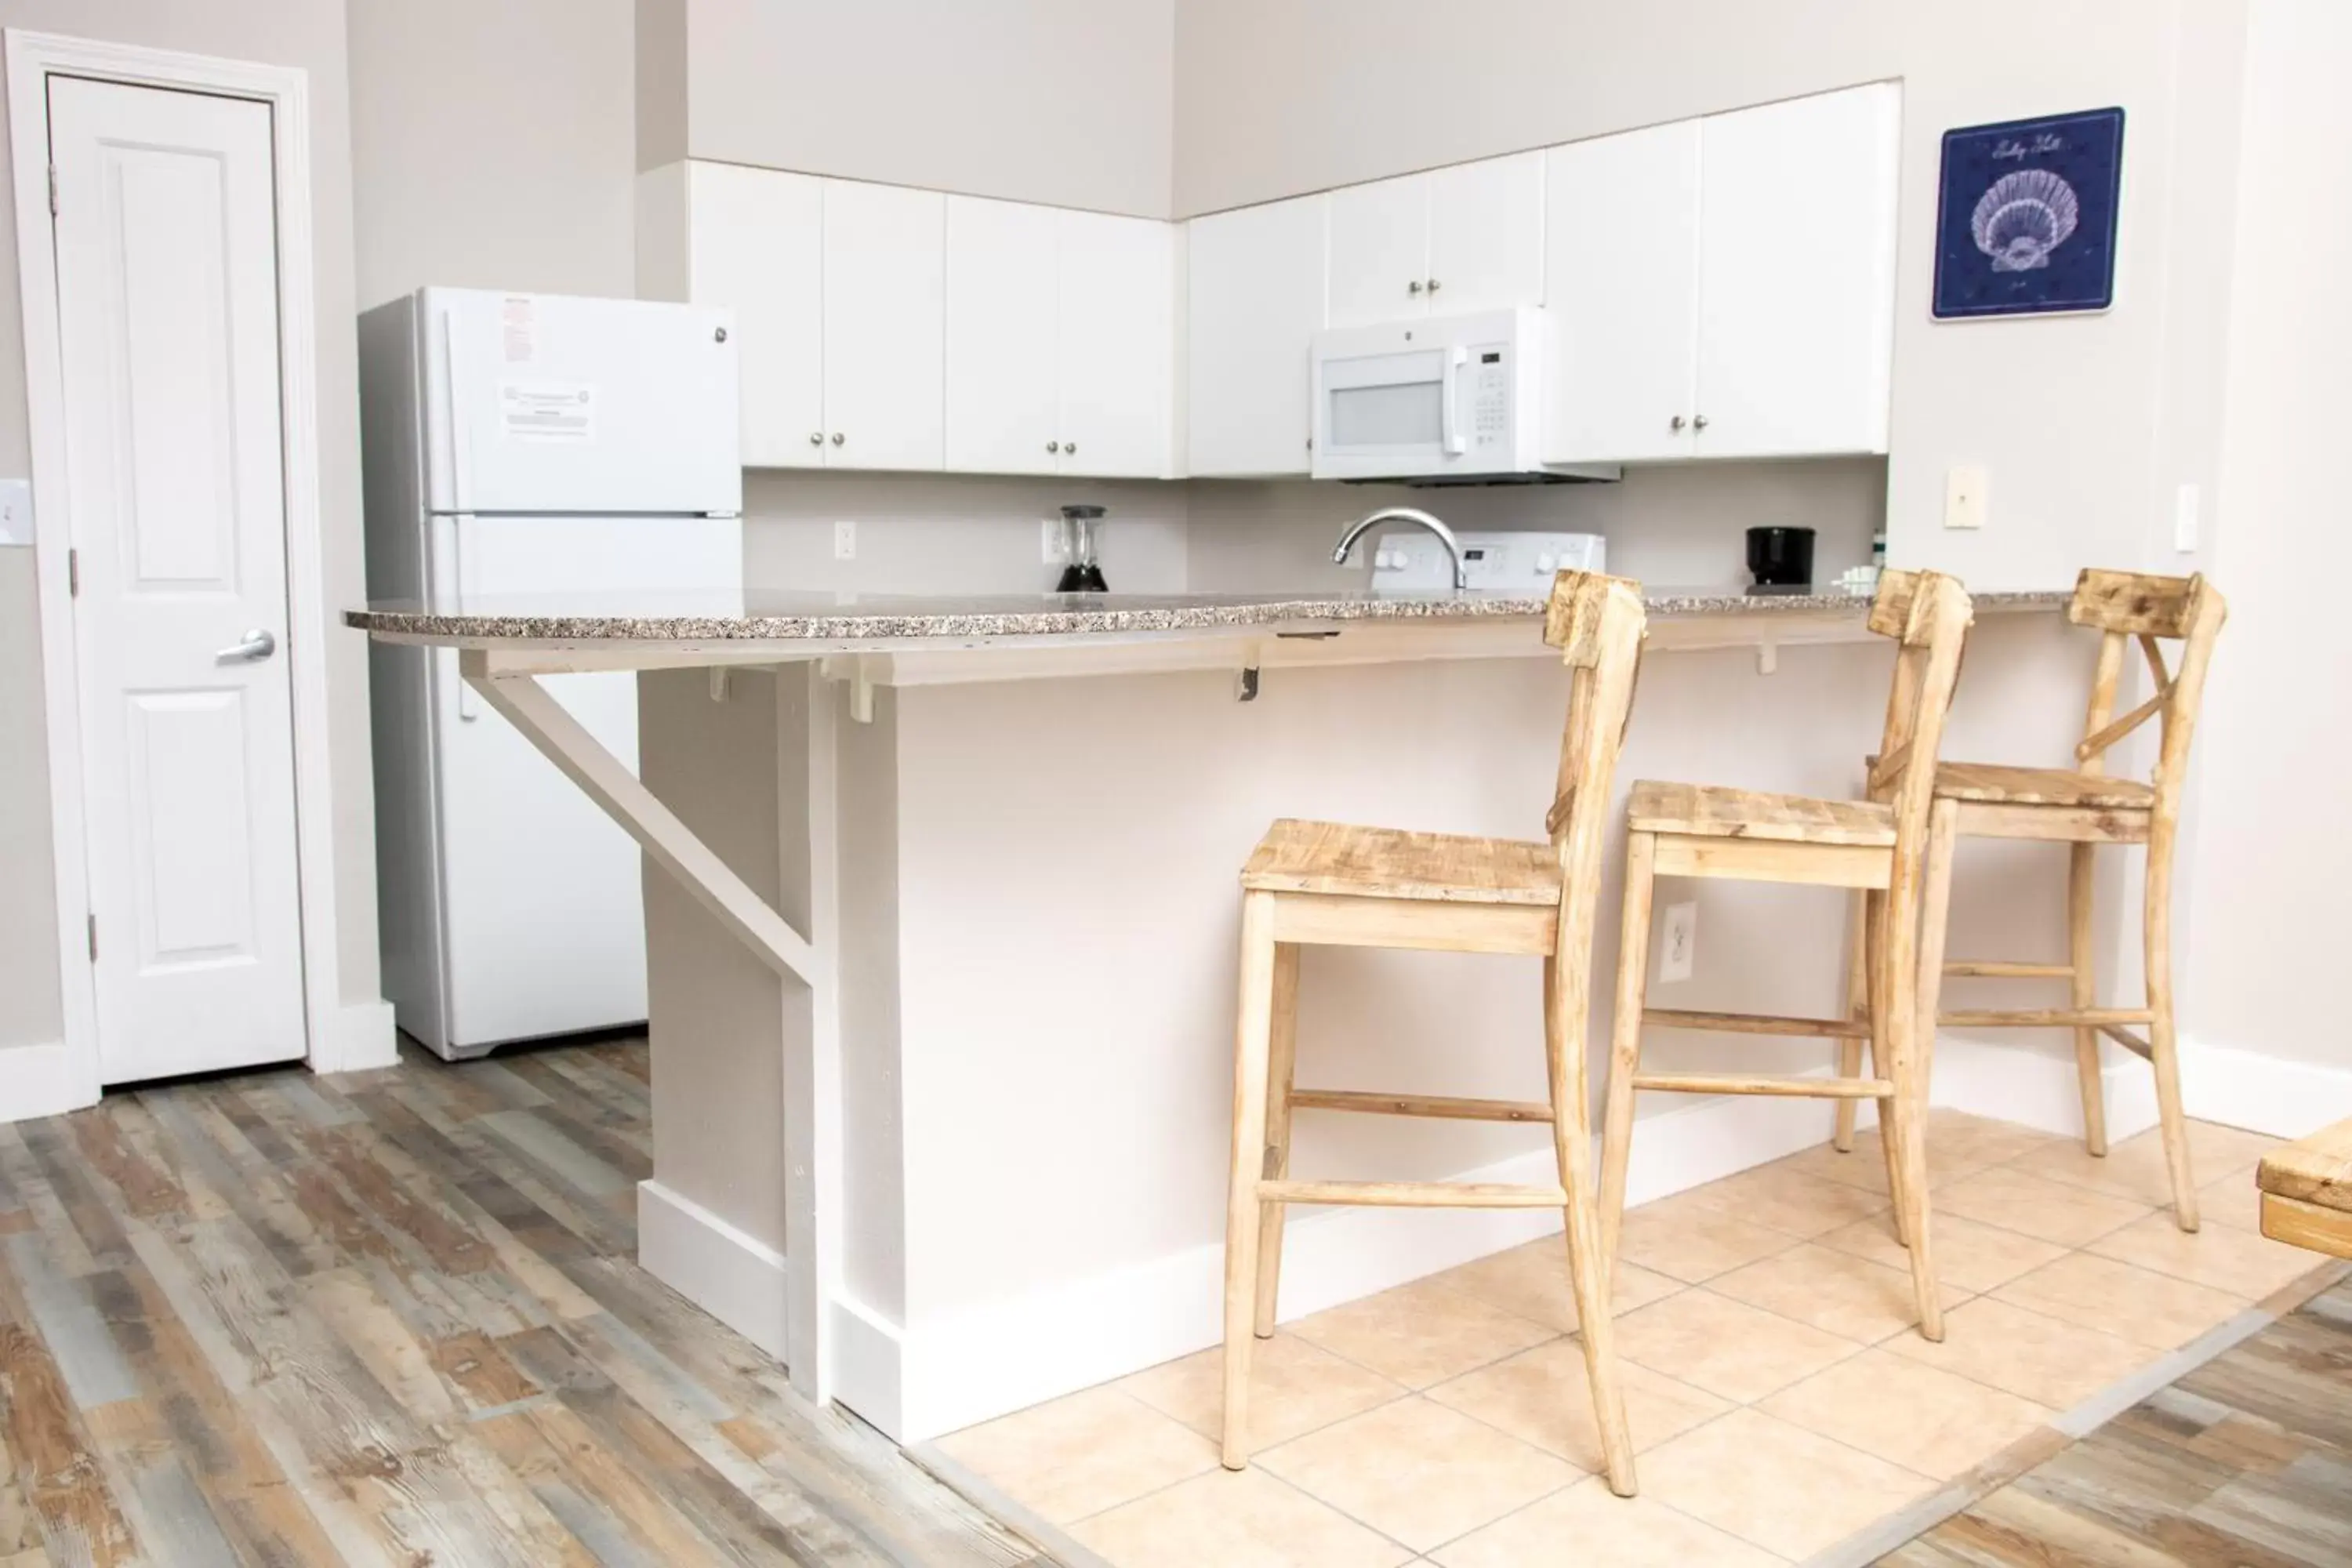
x: 1489, y: 373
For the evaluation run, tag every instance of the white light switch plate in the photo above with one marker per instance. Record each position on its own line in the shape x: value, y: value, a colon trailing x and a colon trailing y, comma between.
x: 845, y: 541
x: 15, y: 511
x: 1964, y: 498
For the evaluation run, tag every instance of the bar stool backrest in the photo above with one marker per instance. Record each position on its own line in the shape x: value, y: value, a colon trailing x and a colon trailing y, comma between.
x: 1928, y: 615
x: 2134, y: 606
x: 1598, y: 624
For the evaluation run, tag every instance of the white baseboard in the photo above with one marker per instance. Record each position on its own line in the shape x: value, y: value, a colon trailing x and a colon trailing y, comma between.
x: 359, y: 1036
x: 2261, y: 1093
x: 44, y: 1080
x: 1001, y: 1356
x: 727, y: 1272
x: 2036, y: 1087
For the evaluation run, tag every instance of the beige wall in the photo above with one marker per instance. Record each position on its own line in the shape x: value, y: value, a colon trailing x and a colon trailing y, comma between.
x: 1065, y: 101
x: 2267, y: 884
x: 310, y: 34
x: 2074, y: 418
x: 493, y: 145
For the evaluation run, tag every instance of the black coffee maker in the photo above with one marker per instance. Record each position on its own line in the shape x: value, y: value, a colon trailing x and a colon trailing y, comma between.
x: 1780, y: 560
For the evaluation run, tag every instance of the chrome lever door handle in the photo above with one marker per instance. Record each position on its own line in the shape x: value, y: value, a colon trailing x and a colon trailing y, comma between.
x: 257, y: 646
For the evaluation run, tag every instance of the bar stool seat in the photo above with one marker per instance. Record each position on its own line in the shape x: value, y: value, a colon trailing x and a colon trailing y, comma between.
x: 1722, y: 812
x: 1344, y: 861
x: 1991, y: 784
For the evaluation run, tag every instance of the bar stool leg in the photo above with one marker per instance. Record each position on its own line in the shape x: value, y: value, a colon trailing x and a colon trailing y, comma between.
x: 1625, y: 1043
x: 1894, y: 1028
x: 1253, y: 1046
x: 1935, y: 895
x: 1589, y: 1269
x: 1875, y: 1005
x: 2163, y: 1044
x: 1857, y: 1005
x: 1281, y: 1056
x: 2080, y: 864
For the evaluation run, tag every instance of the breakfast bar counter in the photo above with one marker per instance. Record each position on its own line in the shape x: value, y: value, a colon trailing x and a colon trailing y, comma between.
x: 942, y: 932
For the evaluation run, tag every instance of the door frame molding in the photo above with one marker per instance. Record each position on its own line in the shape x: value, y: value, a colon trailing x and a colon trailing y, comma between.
x: 336, y: 1042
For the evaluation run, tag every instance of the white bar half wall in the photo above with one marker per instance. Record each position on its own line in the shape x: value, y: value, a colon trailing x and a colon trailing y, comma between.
x: 1038, y: 920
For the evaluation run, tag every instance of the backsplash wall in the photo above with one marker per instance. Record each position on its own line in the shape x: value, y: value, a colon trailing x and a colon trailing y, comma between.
x: 936, y: 533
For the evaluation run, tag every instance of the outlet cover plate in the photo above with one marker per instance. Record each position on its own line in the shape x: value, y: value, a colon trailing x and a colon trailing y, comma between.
x: 845, y: 541
x: 1965, y: 496
x: 1678, y: 941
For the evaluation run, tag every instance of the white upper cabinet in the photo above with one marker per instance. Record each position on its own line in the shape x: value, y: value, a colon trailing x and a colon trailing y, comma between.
x: 1380, y: 251
x: 885, y: 325
x: 1796, y: 299
x: 1118, y: 288
x: 1002, y: 383
x: 755, y: 245
x: 1487, y: 235
x: 1454, y: 240
x: 1621, y: 267
x: 1724, y: 288
x: 1256, y: 290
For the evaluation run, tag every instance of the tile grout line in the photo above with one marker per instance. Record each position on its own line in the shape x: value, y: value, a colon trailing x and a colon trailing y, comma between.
x: 1954, y: 1497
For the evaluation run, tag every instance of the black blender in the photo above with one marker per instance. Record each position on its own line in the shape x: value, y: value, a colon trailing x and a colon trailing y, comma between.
x: 1082, y: 576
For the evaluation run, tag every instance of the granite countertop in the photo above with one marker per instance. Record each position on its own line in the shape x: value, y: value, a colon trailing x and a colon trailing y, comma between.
x: 734, y: 615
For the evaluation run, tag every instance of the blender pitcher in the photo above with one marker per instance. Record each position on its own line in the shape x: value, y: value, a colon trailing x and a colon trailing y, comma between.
x: 1082, y: 576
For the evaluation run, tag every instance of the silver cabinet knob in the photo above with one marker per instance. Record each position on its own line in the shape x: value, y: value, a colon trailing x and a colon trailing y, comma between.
x: 1676, y: 422
x: 1698, y: 422
x: 1413, y: 287
x: 816, y: 437
x: 838, y: 437
x: 1432, y: 285
x: 1053, y: 446
x: 1069, y: 447
x: 257, y: 646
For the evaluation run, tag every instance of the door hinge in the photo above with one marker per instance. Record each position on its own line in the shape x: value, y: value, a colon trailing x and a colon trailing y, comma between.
x: 73, y: 573
x: 53, y: 190
x: 93, y: 939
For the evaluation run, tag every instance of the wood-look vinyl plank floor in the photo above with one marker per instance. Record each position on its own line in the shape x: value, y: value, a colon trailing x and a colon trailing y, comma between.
x: 2245, y: 1462
x: 395, y: 1319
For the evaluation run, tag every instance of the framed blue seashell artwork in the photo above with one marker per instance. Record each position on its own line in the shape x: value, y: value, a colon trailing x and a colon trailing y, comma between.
x: 2025, y: 220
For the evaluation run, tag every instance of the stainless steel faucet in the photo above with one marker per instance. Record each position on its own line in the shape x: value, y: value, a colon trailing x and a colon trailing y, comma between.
x: 1404, y: 514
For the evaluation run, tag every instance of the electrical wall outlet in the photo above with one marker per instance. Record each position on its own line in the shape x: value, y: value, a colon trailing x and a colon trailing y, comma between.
x: 845, y: 541
x: 1964, y: 497
x: 1677, y: 942
x: 2185, y: 503
x: 1049, y: 541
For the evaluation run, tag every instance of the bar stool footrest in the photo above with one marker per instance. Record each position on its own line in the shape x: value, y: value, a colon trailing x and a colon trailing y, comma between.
x: 1452, y: 1107
x: 1416, y: 1195
x: 1757, y: 1023
x: 1803, y: 1088
x: 2003, y: 969
x: 2044, y: 1017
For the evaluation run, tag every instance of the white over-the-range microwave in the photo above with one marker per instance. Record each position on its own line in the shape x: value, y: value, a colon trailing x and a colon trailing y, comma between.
x: 1437, y: 400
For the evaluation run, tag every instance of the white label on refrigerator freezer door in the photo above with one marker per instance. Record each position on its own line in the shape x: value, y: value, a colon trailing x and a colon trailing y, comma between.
x: 518, y: 329
x: 547, y: 410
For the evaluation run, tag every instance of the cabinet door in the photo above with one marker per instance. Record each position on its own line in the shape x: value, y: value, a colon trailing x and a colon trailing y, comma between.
x: 1001, y: 357
x: 1487, y: 235
x: 1256, y: 277
x: 1621, y: 286
x: 1380, y: 251
x: 885, y: 328
x: 755, y: 245
x: 1797, y: 275
x: 1117, y: 288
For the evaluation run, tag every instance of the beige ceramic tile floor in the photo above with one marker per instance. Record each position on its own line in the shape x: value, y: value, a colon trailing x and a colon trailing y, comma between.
x: 1777, y: 1395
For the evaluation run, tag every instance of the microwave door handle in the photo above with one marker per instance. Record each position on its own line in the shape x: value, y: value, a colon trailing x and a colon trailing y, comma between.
x: 1449, y: 412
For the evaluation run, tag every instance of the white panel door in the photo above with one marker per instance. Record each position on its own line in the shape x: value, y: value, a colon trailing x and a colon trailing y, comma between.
x: 166, y: 239
x: 1380, y: 251
x: 1487, y: 235
x: 1118, y: 295
x: 1797, y: 275
x: 885, y: 326
x: 1003, y: 409
x: 1620, y: 263
x: 1255, y: 279
x: 756, y: 246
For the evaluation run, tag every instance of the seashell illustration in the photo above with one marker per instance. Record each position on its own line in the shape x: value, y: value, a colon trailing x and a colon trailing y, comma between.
x: 2023, y: 217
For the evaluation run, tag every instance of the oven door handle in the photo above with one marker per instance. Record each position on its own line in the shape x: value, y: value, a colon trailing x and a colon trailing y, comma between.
x: 1449, y: 416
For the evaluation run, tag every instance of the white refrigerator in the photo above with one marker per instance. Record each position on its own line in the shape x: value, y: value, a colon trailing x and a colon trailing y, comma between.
x: 523, y: 449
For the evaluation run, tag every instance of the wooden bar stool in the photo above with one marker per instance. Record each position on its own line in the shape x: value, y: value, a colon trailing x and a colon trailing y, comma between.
x: 1369, y: 887
x: 1877, y: 845
x: 2082, y: 808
